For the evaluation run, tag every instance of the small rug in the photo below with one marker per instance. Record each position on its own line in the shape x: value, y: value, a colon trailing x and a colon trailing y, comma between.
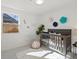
x: 39, y: 53
x: 55, y: 55
x: 47, y: 54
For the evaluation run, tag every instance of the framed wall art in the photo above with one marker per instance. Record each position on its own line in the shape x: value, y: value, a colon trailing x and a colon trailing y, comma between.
x: 10, y: 23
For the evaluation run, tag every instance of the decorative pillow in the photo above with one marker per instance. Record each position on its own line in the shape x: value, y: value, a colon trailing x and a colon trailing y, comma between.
x: 36, y: 44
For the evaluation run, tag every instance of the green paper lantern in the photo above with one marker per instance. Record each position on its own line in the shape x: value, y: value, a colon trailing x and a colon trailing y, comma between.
x: 63, y: 19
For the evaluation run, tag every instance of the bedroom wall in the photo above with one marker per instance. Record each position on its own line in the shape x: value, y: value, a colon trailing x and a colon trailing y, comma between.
x: 25, y: 35
x: 70, y: 12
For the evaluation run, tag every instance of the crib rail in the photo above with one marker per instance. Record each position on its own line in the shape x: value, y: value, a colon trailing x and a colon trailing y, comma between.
x: 58, y: 43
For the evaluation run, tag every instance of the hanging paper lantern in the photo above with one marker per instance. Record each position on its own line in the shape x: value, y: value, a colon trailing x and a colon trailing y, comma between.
x: 55, y: 24
x: 63, y: 20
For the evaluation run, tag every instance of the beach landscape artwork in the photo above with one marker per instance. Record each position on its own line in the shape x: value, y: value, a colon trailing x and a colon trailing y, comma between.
x: 10, y: 23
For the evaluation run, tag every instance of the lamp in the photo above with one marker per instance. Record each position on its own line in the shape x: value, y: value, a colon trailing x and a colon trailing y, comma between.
x: 38, y: 2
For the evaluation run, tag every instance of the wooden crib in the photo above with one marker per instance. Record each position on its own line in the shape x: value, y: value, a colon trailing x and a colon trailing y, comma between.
x: 58, y: 43
x: 59, y: 40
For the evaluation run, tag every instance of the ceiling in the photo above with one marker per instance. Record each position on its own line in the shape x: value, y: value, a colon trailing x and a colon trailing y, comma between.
x: 31, y: 7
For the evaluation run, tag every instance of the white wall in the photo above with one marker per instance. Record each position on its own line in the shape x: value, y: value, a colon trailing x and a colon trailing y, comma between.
x: 25, y: 35
x: 70, y: 12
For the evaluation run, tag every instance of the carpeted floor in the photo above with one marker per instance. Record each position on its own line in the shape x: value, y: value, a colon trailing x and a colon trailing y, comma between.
x: 21, y: 53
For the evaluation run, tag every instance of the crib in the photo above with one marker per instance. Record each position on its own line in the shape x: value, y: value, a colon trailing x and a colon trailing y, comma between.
x: 58, y: 43
x: 59, y: 40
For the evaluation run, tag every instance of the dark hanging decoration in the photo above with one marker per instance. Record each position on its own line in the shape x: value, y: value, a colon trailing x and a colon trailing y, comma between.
x: 55, y: 24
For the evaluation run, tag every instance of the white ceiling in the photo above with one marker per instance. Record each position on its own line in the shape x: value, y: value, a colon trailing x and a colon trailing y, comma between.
x: 29, y: 6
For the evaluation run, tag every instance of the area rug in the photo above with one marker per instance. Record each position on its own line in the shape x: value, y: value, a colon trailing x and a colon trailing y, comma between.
x: 39, y: 53
x: 47, y: 54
